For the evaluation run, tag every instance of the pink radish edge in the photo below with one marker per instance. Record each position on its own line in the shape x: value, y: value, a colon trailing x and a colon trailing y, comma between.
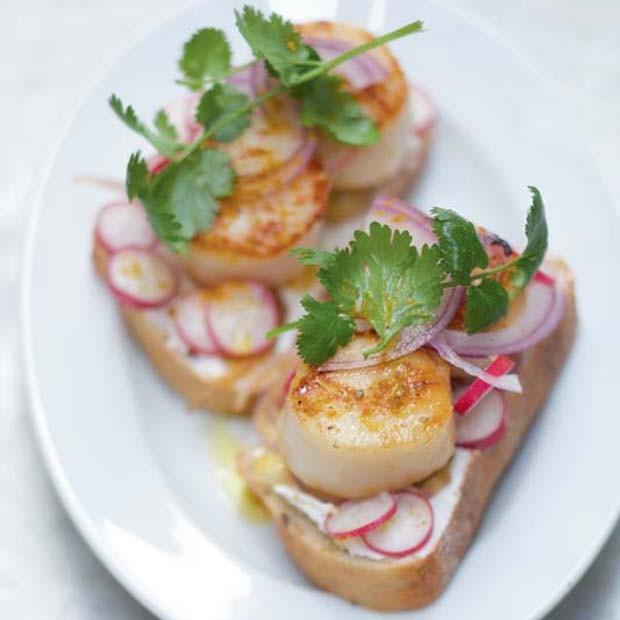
x: 127, y: 298
x: 478, y: 388
x: 269, y: 300
x: 207, y: 346
x: 384, y: 515
x: 494, y: 436
x: 109, y: 247
x: 367, y: 539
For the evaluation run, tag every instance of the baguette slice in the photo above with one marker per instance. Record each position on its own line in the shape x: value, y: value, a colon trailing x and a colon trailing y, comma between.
x: 416, y: 580
x: 235, y: 386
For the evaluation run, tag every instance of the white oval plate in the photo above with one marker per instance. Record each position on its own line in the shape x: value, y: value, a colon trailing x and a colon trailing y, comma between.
x: 134, y: 470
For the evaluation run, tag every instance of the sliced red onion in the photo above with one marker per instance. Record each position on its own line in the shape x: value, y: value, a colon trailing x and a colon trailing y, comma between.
x: 360, y: 72
x: 509, y: 383
x: 398, y: 214
x: 544, y: 309
x: 410, y: 338
x: 250, y: 80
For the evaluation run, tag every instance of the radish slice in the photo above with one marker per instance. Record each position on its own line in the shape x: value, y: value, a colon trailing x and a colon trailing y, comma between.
x: 479, y: 388
x: 190, y: 320
x: 484, y: 425
x: 360, y: 72
x: 239, y: 316
x: 358, y: 517
x: 424, y: 111
x: 544, y: 308
x: 407, y: 531
x: 543, y: 278
x: 156, y: 163
x: 122, y: 226
x: 141, y: 279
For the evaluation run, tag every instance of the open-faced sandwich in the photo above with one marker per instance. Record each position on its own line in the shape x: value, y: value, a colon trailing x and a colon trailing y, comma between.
x: 423, y: 363
x: 248, y: 166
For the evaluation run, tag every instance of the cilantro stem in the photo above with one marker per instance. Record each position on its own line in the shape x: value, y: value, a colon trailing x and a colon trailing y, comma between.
x: 323, y: 67
x: 254, y: 103
x: 416, y: 26
x: 490, y: 272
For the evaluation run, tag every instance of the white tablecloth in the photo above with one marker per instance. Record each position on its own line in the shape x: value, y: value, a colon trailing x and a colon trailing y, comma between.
x: 49, y: 51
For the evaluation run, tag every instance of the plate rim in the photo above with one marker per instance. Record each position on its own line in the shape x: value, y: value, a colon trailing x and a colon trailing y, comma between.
x: 36, y: 408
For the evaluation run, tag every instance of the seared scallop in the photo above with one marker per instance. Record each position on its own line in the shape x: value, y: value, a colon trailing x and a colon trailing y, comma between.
x: 386, y: 102
x: 252, y: 234
x: 358, y: 432
x: 273, y: 138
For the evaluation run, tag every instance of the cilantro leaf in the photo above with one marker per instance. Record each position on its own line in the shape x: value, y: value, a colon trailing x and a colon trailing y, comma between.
x: 322, y: 330
x: 485, y: 303
x: 164, y: 126
x: 312, y: 257
x: 219, y: 102
x: 461, y: 250
x: 205, y: 56
x: 380, y: 277
x: 395, y: 286
x: 326, y: 105
x: 181, y: 200
x: 136, y: 179
x: 275, y: 40
x: 163, y: 141
x: 526, y: 265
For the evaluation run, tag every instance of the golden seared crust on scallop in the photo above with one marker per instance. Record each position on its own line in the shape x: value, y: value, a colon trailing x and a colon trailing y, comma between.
x: 269, y: 226
x: 403, y: 401
x: 273, y: 137
x: 382, y: 101
x: 358, y: 432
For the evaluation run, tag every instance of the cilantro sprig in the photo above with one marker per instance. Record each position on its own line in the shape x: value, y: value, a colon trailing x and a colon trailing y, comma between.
x: 383, y: 278
x: 173, y: 199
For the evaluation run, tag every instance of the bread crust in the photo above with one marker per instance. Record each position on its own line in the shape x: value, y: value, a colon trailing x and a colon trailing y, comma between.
x: 409, y: 583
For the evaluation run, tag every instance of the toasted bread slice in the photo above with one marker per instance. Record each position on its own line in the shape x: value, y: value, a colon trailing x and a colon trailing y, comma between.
x: 224, y: 385
x: 416, y: 580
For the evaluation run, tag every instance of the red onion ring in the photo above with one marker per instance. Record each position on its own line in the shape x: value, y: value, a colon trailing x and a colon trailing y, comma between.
x: 250, y: 80
x: 399, y: 214
x: 361, y: 72
x: 410, y: 338
x: 544, y: 309
x: 509, y: 383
